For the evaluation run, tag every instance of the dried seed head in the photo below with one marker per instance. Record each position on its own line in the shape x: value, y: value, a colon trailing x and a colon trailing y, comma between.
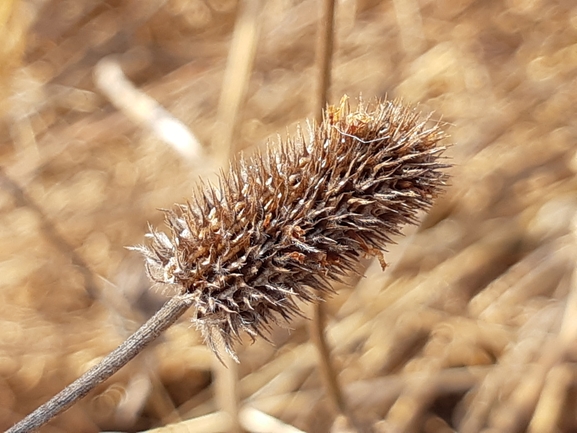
x: 281, y: 225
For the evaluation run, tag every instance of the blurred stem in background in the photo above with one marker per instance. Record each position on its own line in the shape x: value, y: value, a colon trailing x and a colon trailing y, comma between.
x: 236, y: 78
x: 324, y: 55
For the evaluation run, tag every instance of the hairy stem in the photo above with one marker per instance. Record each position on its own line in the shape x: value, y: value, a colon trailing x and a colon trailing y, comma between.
x: 157, y: 324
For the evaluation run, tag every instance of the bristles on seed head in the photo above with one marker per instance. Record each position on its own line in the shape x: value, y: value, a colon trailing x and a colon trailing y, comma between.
x: 280, y: 226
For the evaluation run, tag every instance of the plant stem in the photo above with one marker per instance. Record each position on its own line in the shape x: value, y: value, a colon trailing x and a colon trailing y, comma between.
x: 157, y: 324
x: 227, y: 392
x: 324, y: 54
x: 317, y: 331
x: 236, y: 77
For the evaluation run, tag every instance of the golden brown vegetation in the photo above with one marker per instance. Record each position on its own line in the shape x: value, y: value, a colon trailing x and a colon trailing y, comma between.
x: 472, y: 328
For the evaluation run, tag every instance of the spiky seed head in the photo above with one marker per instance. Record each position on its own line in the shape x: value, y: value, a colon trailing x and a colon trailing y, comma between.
x: 283, y: 224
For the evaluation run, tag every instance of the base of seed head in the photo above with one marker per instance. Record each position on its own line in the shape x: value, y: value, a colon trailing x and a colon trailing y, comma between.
x: 282, y: 225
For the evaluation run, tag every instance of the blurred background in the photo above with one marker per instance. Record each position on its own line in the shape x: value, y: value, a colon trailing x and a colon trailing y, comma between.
x: 112, y: 109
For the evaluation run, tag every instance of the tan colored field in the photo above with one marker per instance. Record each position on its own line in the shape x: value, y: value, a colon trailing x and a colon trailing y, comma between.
x: 473, y: 327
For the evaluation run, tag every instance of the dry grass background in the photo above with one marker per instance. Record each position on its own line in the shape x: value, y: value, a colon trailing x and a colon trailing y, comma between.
x: 472, y: 328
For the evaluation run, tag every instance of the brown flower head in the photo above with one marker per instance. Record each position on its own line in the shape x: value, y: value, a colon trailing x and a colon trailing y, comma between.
x: 281, y: 225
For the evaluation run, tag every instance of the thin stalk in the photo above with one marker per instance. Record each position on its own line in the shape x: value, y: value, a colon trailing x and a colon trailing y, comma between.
x: 155, y: 326
x: 329, y: 376
x: 236, y: 77
x: 324, y: 54
x: 226, y: 391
